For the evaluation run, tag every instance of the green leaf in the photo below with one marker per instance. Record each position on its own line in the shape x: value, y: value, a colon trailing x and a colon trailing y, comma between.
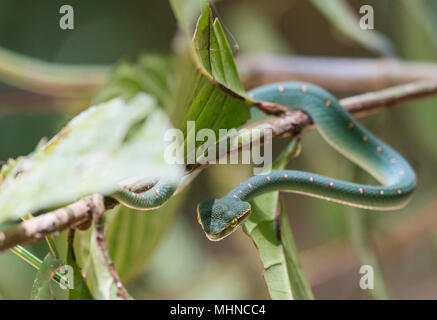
x: 193, y: 93
x: 104, y: 287
x: 80, y: 289
x: 342, y: 17
x: 195, y: 274
x: 41, y: 286
x: 103, y: 284
x: 268, y: 227
x: 300, y: 287
x: 215, y: 53
x: 208, y: 89
x: 151, y: 74
x: 198, y: 83
x: 94, y: 265
x: 133, y: 235
x: 98, y: 149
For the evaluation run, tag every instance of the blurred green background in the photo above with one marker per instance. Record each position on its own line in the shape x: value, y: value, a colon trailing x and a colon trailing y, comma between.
x: 184, y: 263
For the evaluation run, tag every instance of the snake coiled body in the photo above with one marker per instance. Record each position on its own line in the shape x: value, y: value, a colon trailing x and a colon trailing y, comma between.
x: 221, y: 216
x: 152, y: 198
x: 398, y: 180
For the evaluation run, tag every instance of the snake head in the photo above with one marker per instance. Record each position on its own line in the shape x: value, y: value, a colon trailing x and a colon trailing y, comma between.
x: 220, y: 217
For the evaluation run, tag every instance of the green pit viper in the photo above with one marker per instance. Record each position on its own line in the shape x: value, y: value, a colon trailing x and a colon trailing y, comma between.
x: 220, y: 217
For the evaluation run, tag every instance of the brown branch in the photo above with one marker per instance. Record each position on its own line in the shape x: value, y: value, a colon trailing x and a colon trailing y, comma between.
x: 293, y: 123
x: 39, y: 227
x: 345, y: 75
x: 98, y: 218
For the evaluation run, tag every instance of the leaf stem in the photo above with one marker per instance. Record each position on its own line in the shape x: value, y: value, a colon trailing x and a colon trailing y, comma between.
x: 52, y: 246
x: 33, y: 260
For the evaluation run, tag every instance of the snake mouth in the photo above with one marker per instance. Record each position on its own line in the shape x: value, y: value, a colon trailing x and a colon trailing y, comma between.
x: 226, y: 231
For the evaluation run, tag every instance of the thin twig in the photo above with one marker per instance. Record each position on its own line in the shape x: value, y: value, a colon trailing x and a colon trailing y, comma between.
x: 98, y: 218
x: 79, y: 213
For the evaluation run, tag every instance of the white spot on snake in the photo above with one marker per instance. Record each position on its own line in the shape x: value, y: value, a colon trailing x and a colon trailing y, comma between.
x: 365, y: 138
x: 401, y: 172
x: 251, y: 95
x: 327, y: 102
x: 157, y: 192
x: 330, y: 184
x: 303, y: 88
x: 268, y: 178
x: 285, y: 176
x: 281, y: 89
x: 381, y: 192
x: 249, y: 186
x: 142, y: 196
x: 134, y: 194
x: 399, y: 191
x: 361, y: 190
x: 311, y: 179
x: 235, y: 196
x: 240, y: 192
x: 392, y: 160
x: 379, y: 149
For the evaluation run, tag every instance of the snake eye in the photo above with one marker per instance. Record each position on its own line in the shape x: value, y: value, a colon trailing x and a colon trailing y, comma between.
x: 234, y: 221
